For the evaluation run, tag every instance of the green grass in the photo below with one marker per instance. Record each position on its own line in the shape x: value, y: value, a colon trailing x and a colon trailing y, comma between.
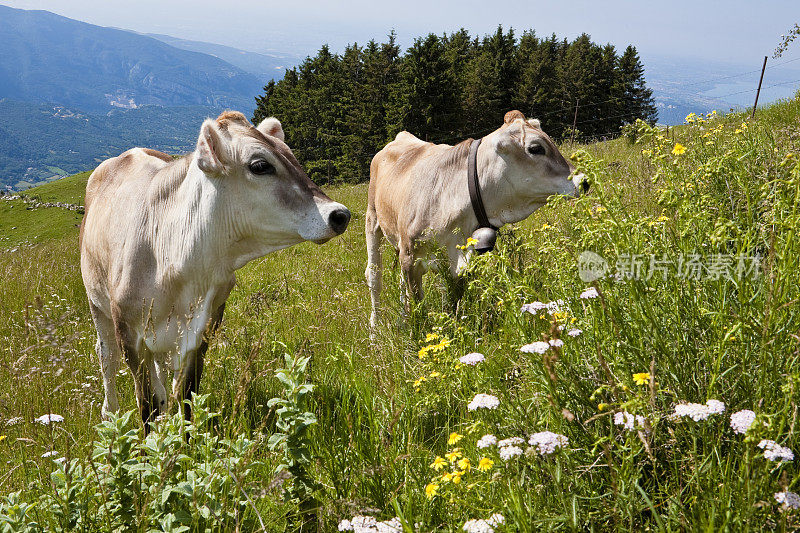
x: 380, y: 425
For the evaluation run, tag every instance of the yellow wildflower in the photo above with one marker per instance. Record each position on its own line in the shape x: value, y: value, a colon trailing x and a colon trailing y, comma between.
x: 471, y: 242
x: 738, y: 130
x: 457, y: 477
x: 418, y: 383
x: 438, y: 463
x: 435, y: 374
x: 431, y: 337
x: 691, y: 117
x: 485, y: 464
x: 454, y: 438
x: 430, y: 490
x: 464, y: 464
x: 447, y: 476
x: 545, y: 226
x: 602, y: 406
x: 679, y: 149
x: 454, y: 455
x: 642, y: 378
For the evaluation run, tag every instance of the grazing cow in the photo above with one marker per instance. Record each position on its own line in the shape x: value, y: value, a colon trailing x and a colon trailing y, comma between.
x: 161, y: 239
x: 419, y: 194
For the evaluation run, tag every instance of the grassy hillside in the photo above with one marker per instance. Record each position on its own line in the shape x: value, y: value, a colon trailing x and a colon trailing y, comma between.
x: 394, y: 436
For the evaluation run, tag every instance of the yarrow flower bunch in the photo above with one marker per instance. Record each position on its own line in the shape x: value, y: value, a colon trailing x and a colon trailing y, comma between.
x: 49, y: 419
x: 589, y: 293
x: 486, y: 441
x: 472, y: 359
x: 369, y: 524
x: 742, y: 420
x: 790, y: 500
x: 478, y: 525
x: 536, y: 347
x: 547, y: 442
x: 699, y: 411
x: 628, y: 421
x: 574, y: 332
x: 556, y: 343
x: 483, y: 401
x: 509, y: 452
x: 775, y: 452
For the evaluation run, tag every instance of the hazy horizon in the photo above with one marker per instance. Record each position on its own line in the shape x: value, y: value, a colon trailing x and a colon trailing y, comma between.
x: 736, y: 32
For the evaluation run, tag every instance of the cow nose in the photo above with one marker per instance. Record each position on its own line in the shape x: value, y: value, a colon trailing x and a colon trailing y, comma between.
x: 338, y: 220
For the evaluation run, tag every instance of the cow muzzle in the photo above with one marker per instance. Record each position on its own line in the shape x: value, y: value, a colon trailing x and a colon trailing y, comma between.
x: 581, y: 183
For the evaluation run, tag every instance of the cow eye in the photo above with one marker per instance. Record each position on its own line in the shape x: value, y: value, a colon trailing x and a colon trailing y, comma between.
x: 262, y: 167
x: 536, y: 149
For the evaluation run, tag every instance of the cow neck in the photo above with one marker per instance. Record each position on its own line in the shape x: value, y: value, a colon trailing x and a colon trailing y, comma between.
x: 474, y: 187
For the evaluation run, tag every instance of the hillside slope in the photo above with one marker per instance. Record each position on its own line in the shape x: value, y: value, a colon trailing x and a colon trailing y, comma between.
x: 49, y: 58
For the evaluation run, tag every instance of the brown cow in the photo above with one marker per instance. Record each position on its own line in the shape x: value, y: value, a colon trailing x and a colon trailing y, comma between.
x: 418, y: 194
x: 161, y: 239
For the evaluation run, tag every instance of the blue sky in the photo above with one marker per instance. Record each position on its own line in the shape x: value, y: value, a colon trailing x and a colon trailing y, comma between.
x: 736, y: 31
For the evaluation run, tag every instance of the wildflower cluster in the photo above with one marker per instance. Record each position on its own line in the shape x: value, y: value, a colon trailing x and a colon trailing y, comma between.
x: 478, y: 525
x: 698, y: 411
x: 370, y: 524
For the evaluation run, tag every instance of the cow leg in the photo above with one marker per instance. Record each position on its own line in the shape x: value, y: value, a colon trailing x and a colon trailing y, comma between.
x: 187, y: 378
x: 412, y: 272
x: 373, y: 273
x: 138, y: 361
x: 108, y: 356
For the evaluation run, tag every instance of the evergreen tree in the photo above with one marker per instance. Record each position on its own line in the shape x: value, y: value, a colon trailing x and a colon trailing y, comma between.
x: 427, y: 90
x: 637, y: 99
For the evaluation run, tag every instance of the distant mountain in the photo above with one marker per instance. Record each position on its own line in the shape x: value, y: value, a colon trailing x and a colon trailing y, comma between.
x: 49, y: 58
x: 43, y: 142
x: 264, y: 66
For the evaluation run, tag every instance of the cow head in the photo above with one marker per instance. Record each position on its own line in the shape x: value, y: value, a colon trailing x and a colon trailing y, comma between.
x: 530, y: 164
x: 271, y: 200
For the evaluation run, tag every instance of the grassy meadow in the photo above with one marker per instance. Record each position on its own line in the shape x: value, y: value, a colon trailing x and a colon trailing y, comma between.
x: 619, y: 370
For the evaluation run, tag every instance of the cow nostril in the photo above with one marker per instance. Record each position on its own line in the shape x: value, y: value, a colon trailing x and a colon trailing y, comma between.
x: 585, y: 186
x: 338, y: 220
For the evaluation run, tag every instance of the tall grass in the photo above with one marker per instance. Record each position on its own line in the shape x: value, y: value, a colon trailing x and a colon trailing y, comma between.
x: 386, y: 409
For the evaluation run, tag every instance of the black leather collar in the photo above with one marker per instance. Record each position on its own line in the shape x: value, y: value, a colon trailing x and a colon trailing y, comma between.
x: 475, y: 188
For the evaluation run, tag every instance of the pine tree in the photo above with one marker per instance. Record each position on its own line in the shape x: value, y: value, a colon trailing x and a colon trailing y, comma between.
x: 637, y: 99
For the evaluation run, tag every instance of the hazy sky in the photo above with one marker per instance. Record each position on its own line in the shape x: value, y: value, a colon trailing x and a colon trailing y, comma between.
x: 739, y: 31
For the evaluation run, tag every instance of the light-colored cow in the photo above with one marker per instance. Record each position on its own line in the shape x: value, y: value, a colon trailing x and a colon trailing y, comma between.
x: 418, y: 194
x: 161, y: 239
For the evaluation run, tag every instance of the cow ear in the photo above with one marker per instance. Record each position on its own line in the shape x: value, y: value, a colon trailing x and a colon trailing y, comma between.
x: 209, y: 148
x: 534, y: 122
x: 511, y: 116
x: 271, y: 126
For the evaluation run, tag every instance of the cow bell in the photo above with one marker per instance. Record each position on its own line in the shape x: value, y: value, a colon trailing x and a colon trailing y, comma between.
x: 486, y: 238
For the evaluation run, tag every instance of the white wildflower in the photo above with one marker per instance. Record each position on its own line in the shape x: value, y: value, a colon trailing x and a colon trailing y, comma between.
x: 345, y: 525
x: 715, y: 407
x: 512, y: 441
x: 556, y: 343
x: 390, y: 526
x: 51, y: 453
x: 533, y: 307
x: 742, y: 420
x: 574, y: 332
x: 483, y: 401
x: 47, y: 419
x: 547, y: 442
x: 477, y: 525
x: 496, y: 519
x: 628, y: 421
x: 775, y: 452
x: 472, y: 358
x: 509, y: 452
x: 555, y: 307
x: 695, y: 411
x: 487, y: 440
x: 790, y: 500
x: 14, y: 421
x: 591, y: 292
x: 535, y: 347
x: 364, y: 523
